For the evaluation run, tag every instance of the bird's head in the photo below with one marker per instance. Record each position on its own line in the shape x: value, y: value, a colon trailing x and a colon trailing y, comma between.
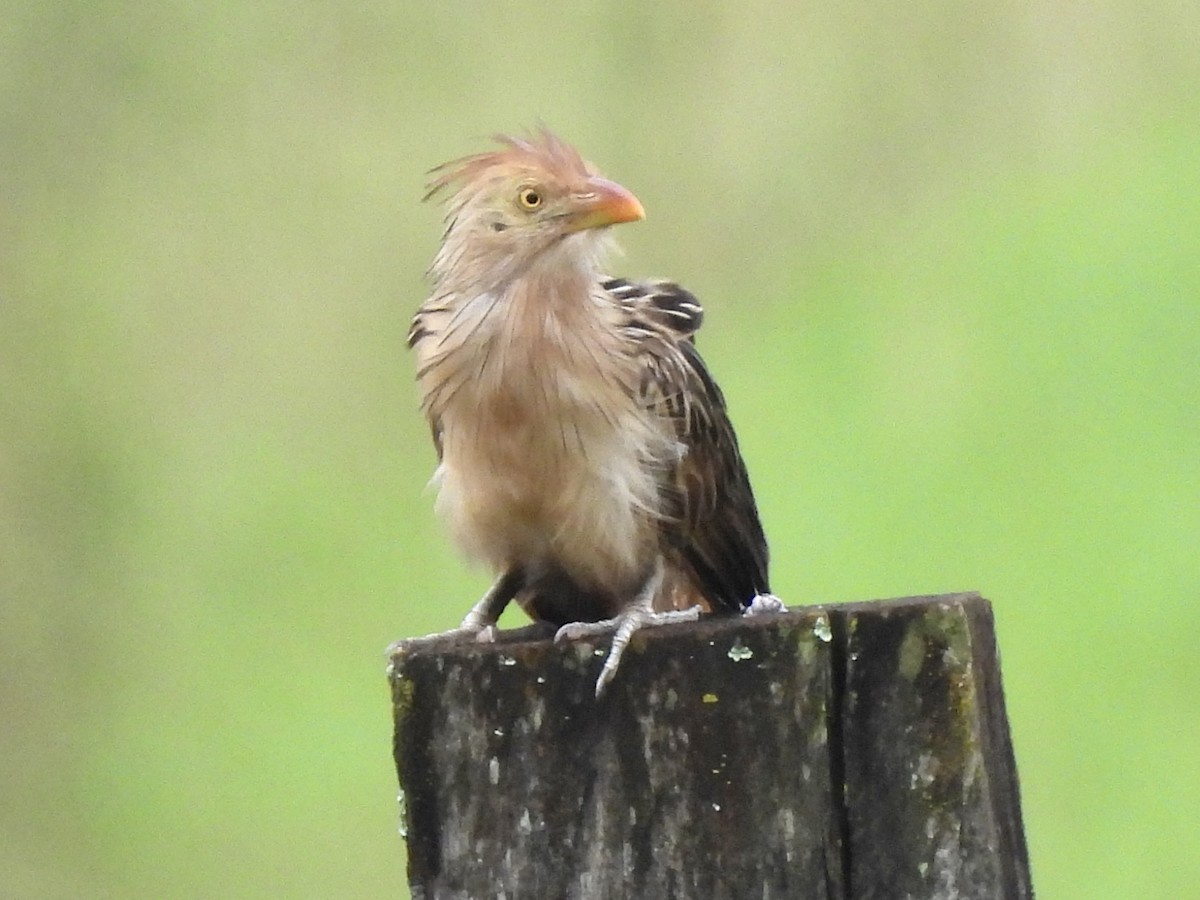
x: 535, y: 199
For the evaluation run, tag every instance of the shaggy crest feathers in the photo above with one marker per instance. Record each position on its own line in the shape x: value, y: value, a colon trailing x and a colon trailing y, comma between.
x: 543, y: 154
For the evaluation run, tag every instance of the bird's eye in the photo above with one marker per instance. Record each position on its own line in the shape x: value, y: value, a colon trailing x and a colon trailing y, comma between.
x: 529, y: 198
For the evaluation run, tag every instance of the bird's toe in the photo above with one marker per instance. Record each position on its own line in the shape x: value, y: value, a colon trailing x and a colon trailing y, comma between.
x: 764, y: 603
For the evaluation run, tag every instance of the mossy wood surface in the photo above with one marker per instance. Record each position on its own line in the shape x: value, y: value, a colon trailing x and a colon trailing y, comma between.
x: 847, y: 752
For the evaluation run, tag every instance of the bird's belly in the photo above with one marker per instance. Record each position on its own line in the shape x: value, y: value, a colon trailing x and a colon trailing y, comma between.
x: 572, y: 491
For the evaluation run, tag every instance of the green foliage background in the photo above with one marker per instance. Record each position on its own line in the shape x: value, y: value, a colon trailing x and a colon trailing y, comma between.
x: 950, y: 258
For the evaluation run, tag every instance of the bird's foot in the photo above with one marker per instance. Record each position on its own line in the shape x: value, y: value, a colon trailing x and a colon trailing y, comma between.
x: 630, y: 620
x: 484, y: 634
x: 478, y: 632
x: 575, y: 630
x: 764, y: 603
x: 477, y: 625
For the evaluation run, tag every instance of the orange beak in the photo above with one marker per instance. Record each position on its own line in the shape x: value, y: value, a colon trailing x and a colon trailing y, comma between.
x: 605, y: 202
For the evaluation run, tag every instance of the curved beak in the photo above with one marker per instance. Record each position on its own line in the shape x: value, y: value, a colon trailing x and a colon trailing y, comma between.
x: 603, y: 202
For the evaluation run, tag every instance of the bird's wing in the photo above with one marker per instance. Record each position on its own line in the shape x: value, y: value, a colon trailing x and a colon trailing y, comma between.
x: 420, y: 330
x: 712, y: 525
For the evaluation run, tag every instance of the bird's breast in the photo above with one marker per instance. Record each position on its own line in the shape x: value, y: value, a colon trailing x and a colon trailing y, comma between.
x: 548, y: 458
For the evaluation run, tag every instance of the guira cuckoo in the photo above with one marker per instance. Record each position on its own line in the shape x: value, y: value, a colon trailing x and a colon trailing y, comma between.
x: 585, y: 454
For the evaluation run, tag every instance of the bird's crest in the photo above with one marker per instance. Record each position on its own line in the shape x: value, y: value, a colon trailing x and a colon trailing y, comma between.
x: 542, y: 151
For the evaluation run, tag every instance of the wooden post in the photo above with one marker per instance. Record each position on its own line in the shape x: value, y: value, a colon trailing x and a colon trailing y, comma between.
x: 856, y: 752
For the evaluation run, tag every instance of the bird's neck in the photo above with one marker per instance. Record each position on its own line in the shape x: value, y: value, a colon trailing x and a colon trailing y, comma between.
x: 549, y: 292
x: 554, y: 299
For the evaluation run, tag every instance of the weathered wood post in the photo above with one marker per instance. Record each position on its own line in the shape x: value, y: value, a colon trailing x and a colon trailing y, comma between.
x: 856, y: 752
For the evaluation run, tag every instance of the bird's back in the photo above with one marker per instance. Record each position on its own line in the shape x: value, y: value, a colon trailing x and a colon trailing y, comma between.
x: 710, y: 530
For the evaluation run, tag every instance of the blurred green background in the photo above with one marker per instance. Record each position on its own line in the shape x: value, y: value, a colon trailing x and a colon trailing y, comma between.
x: 951, y: 261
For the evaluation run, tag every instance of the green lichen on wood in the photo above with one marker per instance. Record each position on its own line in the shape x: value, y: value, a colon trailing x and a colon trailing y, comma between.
x: 403, y: 695
x: 912, y: 654
x: 914, y: 720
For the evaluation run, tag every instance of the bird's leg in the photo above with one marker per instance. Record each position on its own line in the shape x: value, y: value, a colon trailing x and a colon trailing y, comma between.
x: 481, y: 618
x: 638, y: 614
x: 764, y: 603
x: 480, y: 621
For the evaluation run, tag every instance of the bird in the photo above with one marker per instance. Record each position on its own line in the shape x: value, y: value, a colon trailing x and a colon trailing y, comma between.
x: 585, y: 454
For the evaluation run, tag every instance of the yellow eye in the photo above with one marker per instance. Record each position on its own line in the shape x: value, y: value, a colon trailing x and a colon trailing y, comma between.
x: 529, y: 198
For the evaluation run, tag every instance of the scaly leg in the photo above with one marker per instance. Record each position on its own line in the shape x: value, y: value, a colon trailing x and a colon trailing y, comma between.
x: 638, y: 614
x: 480, y: 622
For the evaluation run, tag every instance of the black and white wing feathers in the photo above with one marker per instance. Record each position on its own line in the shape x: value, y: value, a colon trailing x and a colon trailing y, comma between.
x: 711, y: 526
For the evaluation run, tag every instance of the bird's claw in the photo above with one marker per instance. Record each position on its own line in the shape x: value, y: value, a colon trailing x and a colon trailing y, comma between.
x: 764, y: 603
x: 629, y: 621
x: 573, y: 631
